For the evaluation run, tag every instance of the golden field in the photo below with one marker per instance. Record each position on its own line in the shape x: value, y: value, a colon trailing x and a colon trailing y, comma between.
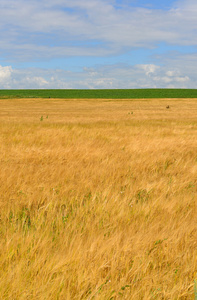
x: 98, y: 199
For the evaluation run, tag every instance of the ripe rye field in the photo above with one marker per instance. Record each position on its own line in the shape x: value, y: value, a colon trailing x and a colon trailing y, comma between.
x: 98, y: 199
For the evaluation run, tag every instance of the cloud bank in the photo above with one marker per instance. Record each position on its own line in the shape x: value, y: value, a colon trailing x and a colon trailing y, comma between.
x: 100, y: 77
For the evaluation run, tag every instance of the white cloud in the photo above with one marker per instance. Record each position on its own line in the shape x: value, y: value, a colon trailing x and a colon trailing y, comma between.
x: 36, y: 81
x: 106, y: 76
x: 62, y: 28
x: 170, y: 79
x: 5, y: 76
x: 182, y: 79
x: 5, y: 73
x: 171, y: 73
x: 150, y: 68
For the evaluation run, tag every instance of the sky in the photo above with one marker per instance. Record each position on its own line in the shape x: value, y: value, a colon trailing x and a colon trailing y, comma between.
x: 98, y: 44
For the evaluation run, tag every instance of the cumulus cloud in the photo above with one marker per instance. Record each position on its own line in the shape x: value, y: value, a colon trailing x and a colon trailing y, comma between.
x: 150, y: 68
x: 5, y: 73
x: 5, y: 76
x: 171, y: 73
x: 100, y: 77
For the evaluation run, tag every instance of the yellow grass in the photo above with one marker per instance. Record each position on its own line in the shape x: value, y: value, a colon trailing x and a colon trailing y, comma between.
x: 98, y: 200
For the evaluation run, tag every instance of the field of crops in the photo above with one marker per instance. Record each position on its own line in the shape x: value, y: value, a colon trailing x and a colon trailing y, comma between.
x: 101, y: 94
x: 98, y: 199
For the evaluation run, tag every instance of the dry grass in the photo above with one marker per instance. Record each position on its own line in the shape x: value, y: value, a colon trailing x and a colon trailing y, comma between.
x: 98, y: 200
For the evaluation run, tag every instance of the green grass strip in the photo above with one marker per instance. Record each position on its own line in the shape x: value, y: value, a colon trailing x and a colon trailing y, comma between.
x: 101, y: 94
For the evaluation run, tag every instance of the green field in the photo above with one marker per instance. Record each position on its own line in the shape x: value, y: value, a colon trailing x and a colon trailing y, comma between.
x: 104, y: 94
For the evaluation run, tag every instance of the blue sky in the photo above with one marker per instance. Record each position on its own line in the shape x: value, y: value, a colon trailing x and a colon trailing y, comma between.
x: 98, y: 44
